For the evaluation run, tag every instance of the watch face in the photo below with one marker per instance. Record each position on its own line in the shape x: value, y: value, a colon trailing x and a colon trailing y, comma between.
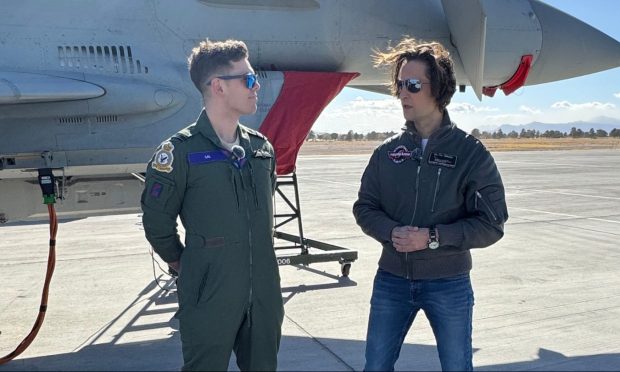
x: 433, y: 245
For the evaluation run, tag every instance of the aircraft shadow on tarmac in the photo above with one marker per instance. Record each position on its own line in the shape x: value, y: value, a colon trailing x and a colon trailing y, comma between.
x: 296, y: 353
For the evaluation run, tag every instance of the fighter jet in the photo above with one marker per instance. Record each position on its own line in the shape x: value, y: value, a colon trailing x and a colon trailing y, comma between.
x: 90, y: 88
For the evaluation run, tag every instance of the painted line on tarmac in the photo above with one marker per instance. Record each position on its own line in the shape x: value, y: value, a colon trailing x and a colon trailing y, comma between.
x: 562, y: 193
x: 565, y: 215
x: 543, y: 164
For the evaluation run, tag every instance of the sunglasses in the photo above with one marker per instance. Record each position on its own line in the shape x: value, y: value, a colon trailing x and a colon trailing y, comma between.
x: 250, y: 79
x: 412, y: 85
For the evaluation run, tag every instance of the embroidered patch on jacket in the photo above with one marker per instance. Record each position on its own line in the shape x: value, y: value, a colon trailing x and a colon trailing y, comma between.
x: 262, y: 154
x: 156, y: 189
x: 195, y: 158
x: 401, y: 153
x: 163, y: 159
x: 443, y: 160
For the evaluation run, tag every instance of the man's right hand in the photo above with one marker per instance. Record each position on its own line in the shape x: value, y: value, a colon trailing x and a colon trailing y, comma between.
x: 409, y: 238
x: 176, y: 266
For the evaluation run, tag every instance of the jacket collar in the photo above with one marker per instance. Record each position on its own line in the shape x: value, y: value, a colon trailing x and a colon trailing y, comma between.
x: 203, y: 124
x: 444, y: 129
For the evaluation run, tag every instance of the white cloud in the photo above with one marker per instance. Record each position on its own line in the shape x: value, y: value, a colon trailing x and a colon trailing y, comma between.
x: 565, y: 105
x: 529, y: 110
x: 362, y: 115
x: 617, y: 95
x: 464, y: 108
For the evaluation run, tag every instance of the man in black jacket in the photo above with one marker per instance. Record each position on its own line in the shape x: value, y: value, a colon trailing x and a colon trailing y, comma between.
x: 428, y: 195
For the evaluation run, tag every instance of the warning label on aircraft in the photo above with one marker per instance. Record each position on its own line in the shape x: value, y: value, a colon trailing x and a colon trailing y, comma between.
x: 163, y: 158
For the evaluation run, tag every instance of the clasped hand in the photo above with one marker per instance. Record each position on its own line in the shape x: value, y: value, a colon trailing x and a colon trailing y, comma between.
x: 409, y: 238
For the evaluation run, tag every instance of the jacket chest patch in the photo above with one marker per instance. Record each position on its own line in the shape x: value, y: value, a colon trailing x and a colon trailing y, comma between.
x: 442, y: 160
x: 401, y: 153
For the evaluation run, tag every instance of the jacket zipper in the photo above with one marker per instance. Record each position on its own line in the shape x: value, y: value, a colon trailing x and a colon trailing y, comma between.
x: 479, y: 196
x: 436, y: 189
x: 415, y: 208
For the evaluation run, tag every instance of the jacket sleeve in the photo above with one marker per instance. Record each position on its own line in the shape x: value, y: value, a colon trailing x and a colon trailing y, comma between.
x: 367, y: 210
x: 485, y: 203
x: 161, y: 201
x: 274, y: 175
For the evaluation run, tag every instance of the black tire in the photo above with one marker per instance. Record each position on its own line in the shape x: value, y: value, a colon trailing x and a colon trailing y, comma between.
x: 345, y: 269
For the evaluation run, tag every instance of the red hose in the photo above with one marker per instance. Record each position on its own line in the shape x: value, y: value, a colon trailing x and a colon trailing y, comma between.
x: 51, y: 263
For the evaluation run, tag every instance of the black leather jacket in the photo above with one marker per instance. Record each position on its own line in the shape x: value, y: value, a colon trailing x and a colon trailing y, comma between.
x: 453, y: 184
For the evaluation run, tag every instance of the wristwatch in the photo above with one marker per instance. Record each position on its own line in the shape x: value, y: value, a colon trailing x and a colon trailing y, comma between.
x: 433, y: 243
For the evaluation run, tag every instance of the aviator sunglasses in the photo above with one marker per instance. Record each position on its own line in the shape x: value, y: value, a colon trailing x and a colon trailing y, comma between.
x: 412, y: 85
x: 250, y: 79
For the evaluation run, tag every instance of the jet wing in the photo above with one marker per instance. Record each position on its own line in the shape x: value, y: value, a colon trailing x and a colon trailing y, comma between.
x: 23, y: 87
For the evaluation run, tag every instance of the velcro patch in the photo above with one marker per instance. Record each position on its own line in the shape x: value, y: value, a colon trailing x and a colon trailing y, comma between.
x: 262, y: 154
x: 443, y: 160
x: 195, y: 158
x: 156, y: 190
x: 401, y: 153
x: 164, y: 157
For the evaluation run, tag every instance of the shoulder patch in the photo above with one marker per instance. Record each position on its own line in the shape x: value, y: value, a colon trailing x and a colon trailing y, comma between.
x: 254, y: 133
x: 164, y: 157
x: 182, y: 135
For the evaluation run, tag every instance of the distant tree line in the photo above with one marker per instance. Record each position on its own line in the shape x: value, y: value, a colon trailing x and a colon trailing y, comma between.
x: 525, y: 133
x: 349, y: 136
x: 531, y: 133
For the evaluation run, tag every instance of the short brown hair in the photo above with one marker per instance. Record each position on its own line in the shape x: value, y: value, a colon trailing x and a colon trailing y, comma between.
x: 439, y: 66
x: 213, y: 58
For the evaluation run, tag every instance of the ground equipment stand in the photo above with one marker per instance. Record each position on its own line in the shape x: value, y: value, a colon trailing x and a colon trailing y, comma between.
x: 302, y: 250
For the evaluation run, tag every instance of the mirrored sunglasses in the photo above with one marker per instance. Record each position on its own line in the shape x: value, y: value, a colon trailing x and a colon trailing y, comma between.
x: 250, y: 79
x: 412, y: 85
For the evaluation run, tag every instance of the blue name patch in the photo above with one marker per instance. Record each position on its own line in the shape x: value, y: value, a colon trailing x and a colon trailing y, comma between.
x: 206, y: 157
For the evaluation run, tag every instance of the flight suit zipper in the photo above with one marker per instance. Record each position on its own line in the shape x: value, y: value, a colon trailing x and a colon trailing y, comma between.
x: 436, y: 189
x: 486, y: 204
x: 251, y: 258
x: 253, y: 184
x: 234, y: 182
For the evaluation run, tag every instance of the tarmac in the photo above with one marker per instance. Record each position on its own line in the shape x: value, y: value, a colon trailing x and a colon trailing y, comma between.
x: 546, y: 295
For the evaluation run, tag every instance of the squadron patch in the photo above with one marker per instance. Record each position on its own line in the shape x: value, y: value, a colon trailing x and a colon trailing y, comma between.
x: 401, y: 153
x: 163, y: 158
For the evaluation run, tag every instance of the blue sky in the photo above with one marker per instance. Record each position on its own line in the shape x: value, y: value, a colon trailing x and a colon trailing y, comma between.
x: 585, y: 98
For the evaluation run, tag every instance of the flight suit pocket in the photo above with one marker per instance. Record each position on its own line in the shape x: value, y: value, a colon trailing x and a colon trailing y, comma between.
x: 200, y: 276
x: 261, y: 173
x: 157, y: 192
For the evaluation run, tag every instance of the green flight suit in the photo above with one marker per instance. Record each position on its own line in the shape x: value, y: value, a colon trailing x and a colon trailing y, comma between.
x: 229, y: 284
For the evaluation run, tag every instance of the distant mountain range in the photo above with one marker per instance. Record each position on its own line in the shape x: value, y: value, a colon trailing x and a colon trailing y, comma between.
x: 604, y: 123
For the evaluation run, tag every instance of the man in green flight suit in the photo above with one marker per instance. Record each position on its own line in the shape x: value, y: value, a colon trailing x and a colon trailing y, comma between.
x: 219, y: 177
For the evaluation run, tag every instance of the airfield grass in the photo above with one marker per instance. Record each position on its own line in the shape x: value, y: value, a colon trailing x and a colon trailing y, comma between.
x: 506, y: 144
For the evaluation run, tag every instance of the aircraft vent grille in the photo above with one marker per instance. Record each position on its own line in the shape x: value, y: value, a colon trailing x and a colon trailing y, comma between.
x: 107, y: 119
x: 118, y: 59
x: 71, y: 120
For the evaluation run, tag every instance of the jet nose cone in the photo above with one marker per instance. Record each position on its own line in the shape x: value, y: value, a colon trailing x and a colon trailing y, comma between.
x: 570, y: 47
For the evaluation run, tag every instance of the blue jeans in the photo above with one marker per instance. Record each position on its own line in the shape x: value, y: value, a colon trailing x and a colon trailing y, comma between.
x: 448, y: 305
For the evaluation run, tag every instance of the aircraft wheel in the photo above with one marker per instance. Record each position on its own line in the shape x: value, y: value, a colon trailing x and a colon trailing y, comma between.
x: 345, y: 269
